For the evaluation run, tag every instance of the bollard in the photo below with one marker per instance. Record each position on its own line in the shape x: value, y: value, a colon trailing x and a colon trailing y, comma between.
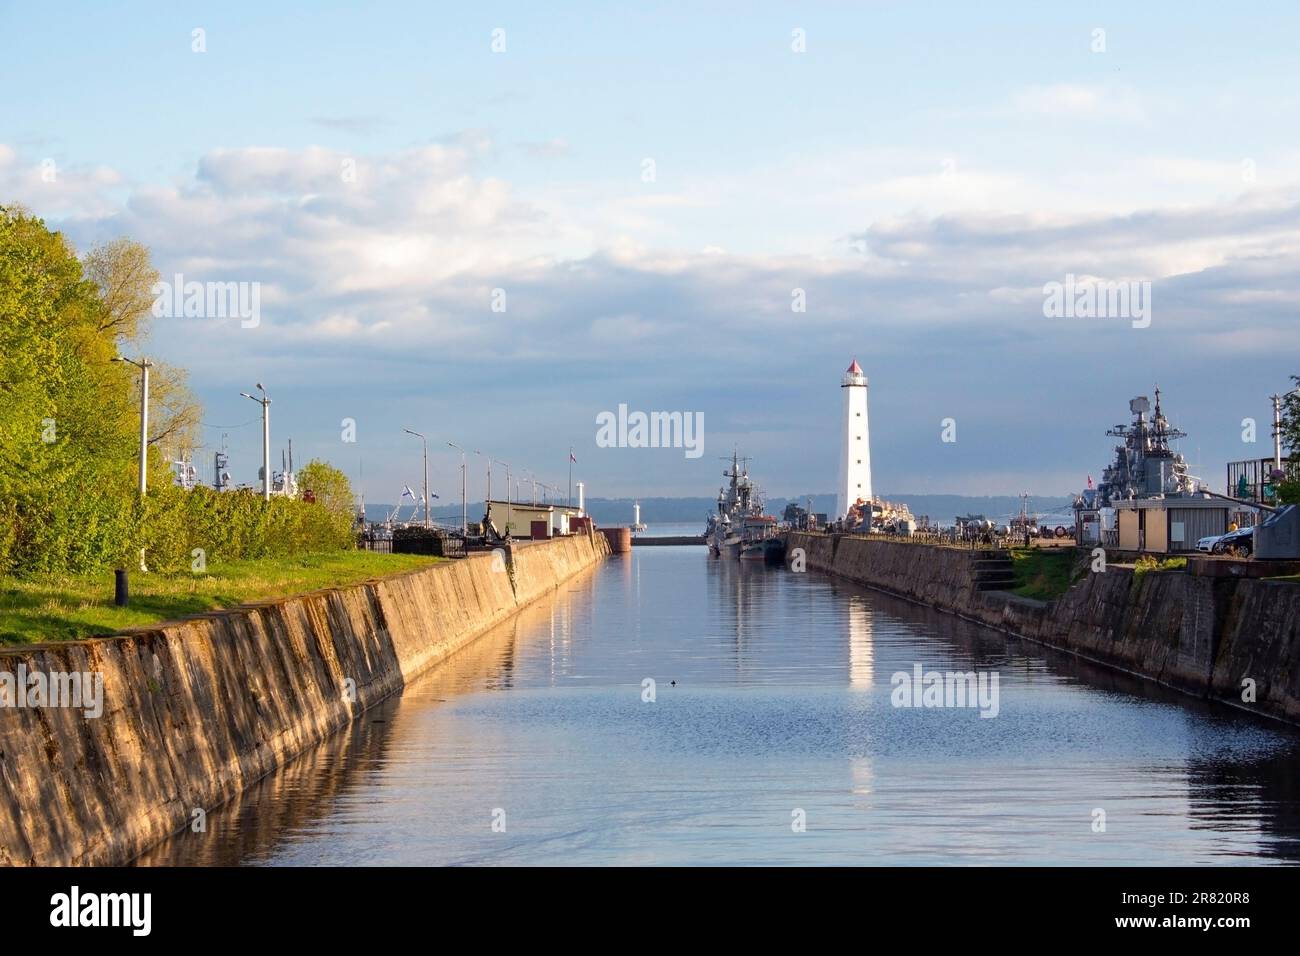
x: 120, y: 591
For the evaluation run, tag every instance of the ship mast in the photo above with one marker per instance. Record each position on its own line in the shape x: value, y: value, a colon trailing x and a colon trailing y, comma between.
x: 1145, y: 462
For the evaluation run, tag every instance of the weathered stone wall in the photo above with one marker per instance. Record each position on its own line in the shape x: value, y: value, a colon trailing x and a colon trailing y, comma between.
x: 197, y: 710
x: 937, y: 576
x: 1202, y: 635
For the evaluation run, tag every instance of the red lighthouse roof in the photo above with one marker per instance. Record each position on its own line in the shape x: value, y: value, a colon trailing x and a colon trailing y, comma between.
x: 854, y: 369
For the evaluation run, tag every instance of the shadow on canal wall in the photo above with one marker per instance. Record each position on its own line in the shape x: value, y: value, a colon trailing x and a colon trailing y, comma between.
x: 1202, y: 635
x: 298, y: 796
x: 197, y: 710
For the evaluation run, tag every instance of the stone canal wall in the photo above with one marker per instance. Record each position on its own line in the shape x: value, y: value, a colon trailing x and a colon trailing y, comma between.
x: 1202, y: 635
x: 196, y: 710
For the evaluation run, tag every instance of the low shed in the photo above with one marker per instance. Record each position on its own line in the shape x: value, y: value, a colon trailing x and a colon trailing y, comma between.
x: 1171, y: 524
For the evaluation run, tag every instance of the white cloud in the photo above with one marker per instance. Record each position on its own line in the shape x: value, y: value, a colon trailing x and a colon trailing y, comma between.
x: 380, y: 279
x: 1079, y: 101
x: 51, y: 187
x: 418, y: 239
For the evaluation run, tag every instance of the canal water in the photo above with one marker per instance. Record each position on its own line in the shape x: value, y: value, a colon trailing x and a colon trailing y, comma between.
x: 768, y: 736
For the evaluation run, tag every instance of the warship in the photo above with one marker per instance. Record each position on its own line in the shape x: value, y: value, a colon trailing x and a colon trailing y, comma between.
x: 1145, y: 466
x: 739, y: 529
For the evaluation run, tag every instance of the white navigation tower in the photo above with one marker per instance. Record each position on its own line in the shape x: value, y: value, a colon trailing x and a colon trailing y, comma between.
x: 855, y: 459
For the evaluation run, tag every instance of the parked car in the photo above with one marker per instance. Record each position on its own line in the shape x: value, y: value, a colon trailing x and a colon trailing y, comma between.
x: 1207, y: 543
x: 1240, y: 542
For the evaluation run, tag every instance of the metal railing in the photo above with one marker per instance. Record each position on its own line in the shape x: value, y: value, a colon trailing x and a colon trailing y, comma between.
x: 437, y: 543
x: 947, y: 537
x: 368, y: 542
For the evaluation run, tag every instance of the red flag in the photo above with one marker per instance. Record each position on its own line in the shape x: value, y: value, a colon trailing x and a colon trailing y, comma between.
x: 1090, y: 481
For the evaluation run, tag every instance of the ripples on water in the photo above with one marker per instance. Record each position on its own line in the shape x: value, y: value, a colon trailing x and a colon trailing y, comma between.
x: 781, y: 704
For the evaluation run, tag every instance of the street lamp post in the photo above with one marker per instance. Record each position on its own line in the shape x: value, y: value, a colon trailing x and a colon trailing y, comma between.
x: 464, y: 513
x: 143, y: 365
x: 509, y: 506
x: 1277, y: 427
x: 424, y: 442
x: 487, y: 497
x: 265, y: 402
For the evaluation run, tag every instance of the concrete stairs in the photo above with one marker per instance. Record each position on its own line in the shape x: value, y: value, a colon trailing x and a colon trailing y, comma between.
x: 992, y: 570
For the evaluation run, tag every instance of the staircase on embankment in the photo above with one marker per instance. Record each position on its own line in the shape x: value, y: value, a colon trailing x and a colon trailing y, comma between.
x: 992, y: 570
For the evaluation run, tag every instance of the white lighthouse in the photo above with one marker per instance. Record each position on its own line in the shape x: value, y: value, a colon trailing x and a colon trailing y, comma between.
x: 855, y: 460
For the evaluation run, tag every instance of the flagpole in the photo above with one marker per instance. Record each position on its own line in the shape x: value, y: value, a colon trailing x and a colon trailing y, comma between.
x: 570, y: 476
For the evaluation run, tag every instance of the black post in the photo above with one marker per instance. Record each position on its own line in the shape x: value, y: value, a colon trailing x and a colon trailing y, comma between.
x: 120, y: 593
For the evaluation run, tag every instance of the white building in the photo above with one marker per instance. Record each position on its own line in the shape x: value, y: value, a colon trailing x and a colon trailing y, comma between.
x: 855, y: 460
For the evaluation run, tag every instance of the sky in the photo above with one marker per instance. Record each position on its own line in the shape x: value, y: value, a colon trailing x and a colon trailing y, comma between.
x: 494, y: 222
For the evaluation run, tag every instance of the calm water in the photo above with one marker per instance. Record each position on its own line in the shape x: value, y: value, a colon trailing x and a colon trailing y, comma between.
x: 781, y: 704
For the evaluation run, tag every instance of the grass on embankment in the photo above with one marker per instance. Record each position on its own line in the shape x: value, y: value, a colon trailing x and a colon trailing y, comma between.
x: 1043, y: 573
x: 62, y: 607
x: 1147, y: 562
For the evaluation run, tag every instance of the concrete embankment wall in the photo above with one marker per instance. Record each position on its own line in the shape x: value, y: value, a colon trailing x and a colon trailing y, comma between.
x: 1201, y: 635
x: 197, y: 710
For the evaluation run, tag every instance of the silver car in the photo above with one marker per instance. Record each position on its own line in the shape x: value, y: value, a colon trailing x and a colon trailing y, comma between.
x: 1207, y: 543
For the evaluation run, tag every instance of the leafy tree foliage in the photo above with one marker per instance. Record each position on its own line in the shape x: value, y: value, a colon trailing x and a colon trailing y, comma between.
x: 69, y: 420
x: 1289, y: 489
x: 330, y: 489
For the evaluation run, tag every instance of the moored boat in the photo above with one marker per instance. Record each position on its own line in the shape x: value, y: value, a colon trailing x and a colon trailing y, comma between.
x: 739, y: 529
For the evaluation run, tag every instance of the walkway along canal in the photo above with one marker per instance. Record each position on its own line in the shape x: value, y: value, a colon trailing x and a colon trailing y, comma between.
x: 769, y: 737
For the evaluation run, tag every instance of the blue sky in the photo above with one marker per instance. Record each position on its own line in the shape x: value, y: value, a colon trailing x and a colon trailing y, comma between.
x: 921, y: 171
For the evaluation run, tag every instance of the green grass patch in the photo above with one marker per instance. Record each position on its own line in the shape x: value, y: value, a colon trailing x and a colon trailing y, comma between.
x: 1043, y: 573
x: 1147, y: 562
x: 53, y: 607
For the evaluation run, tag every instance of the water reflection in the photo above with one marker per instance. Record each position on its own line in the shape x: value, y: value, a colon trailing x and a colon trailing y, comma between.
x: 861, y: 658
x: 772, y: 697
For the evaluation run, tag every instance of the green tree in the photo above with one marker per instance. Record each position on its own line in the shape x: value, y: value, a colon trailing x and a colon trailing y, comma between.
x: 1289, y: 488
x: 69, y: 420
x: 174, y: 412
x: 330, y: 488
x: 126, y: 279
x: 66, y: 422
